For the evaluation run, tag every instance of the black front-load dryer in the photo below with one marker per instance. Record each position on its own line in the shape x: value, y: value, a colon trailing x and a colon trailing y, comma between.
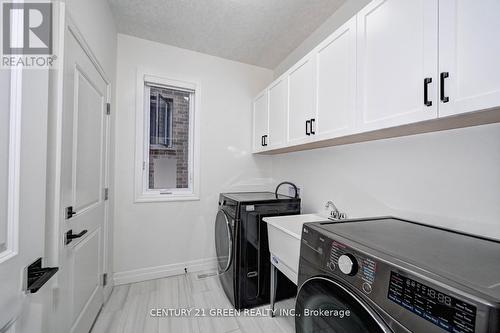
x: 242, y: 249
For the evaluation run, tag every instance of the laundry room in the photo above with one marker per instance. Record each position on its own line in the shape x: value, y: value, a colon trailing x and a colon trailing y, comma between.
x: 224, y: 166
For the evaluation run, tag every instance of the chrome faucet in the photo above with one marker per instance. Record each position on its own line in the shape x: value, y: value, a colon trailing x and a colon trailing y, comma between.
x: 335, y: 214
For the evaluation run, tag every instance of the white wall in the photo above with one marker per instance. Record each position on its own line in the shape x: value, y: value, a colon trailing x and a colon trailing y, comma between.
x: 450, y: 178
x: 342, y: 15
x: 161, y: 238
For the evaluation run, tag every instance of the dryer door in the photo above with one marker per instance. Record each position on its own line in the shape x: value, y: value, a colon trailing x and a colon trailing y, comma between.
x: 322, y: 306
x: 223, y: 241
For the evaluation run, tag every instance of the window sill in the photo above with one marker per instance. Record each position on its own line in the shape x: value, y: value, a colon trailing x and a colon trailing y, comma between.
x: 166, y: 198
x: 160, y: 147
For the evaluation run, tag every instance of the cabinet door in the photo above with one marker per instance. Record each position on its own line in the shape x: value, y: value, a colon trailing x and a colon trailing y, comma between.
x: 301, y: 100
x: 397, y: 50
x: 469, y: 51
x: 260, y: 120
x: 336, y: 82
x: 278, y: 107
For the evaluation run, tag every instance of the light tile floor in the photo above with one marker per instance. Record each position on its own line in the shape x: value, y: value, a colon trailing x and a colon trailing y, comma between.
x: 129, y: 306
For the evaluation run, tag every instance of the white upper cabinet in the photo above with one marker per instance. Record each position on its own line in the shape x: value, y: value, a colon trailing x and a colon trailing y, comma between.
x: 336, y: 82
x: 278, y: 107
x: 260, y: 121
x: 397, y: 51
x: 397, y: 62
x: 469, y: 55
x: 301, y: 108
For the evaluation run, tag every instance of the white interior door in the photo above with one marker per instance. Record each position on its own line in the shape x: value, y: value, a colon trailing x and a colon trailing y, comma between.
x: 83, y: 174
x: 397, y: 50
x: 336, y: 77
x: 278, y: 107
x: 23, y: 151
x: 469, y: 51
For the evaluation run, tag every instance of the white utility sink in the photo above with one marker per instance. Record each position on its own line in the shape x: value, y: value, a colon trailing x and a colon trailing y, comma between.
x: 284, y: 233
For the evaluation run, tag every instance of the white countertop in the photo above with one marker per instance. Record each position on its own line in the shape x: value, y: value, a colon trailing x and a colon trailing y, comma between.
x: 284, y: 234
x: 292, y: 224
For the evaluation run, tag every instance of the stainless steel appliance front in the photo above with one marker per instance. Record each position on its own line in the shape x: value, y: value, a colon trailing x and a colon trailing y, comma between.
x: 408, y: 273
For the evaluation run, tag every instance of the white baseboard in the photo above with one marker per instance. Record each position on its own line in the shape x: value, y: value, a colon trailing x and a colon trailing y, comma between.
x: 150, y: 273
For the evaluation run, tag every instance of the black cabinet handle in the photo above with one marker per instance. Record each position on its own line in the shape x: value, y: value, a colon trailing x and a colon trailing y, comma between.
x: 308, y: 123
x: 265, y: 140
x: 262, y: 141
x: 70, y: 236
x: 427, y: 80
x: 444, y: 99
x: 313, y: 132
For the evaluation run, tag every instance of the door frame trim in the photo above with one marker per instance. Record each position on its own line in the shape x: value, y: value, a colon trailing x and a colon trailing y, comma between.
x: 14, y: 165
x: 11, y: 249
x: 14, y: 162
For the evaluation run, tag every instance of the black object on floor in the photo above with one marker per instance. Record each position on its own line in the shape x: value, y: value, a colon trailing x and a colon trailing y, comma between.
x: 242, y: 246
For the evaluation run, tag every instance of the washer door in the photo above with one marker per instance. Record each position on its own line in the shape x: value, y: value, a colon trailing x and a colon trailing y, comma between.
x: 223, y: 241
x: 316, y: 305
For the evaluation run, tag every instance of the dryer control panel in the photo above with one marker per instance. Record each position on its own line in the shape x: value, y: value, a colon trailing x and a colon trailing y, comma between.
x: 361, y: 269
x: 341, y: 260
x: 441, y: 309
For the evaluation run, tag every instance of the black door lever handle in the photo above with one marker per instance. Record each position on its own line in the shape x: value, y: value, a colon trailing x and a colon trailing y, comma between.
x: 70, y: 236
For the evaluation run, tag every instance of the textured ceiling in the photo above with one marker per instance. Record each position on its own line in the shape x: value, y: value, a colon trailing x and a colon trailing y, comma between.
x: 258, y: 32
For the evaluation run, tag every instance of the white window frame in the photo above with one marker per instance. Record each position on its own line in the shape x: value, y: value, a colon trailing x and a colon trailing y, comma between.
x: 142, y: 191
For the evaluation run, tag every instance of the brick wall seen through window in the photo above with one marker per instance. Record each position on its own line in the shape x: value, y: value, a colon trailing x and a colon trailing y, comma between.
x: 169, y: 138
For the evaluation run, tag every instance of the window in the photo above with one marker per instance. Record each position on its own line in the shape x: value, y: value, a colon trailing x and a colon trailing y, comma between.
x: 166, y: 140
x: 160, y: 119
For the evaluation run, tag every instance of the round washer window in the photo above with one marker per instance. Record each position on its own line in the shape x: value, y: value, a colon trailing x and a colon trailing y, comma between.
x: 324, y: 306
x: 223, y: 241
